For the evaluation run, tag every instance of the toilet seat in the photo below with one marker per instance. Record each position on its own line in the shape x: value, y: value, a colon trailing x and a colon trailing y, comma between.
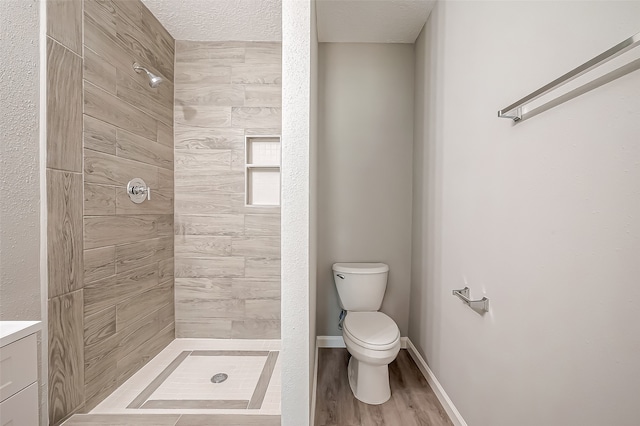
x: 371, y: 330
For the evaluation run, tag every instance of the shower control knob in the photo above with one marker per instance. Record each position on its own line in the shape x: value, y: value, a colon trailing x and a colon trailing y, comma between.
x: 138, y: 190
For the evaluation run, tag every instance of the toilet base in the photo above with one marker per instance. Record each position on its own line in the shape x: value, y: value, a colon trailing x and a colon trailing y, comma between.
x: 369, y: 383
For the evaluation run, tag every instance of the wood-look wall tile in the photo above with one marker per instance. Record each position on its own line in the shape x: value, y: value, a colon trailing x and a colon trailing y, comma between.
x: 210, y: 328
x: 209, y: 267
x: 155, y: 30
x: 131, y: 256
x: 100, y: 368
x: 101, y: 356
x: 143, y: 353
x: 99, y: 200
x: 99, y: 136
x: 66, y: 355
x: 262, y: 267
x: 99, y: 72
x: 165, y: 225
x: 106, y: 107
x: 262, y: 95
x: 238, y: 159
x: 202, y: 245
x: 144, y: 97
x: 256, y: 117
x: 99, y: 326
x: 96, y: 391
x: 138, y: 347
x: 108, y: 169
x: 64, y: 23
x: 210, y: 194
x: 136, y: 307
x: 139, y: 239
x: 165, y: 180
x: 194, y: 203
x: 101, y: 14
x: 202, y: 116
x: 165, y: 134
x: 267, y: 309
x: 203, y: 161
x: 100, y: 231
x: 201, y: 74
x: 210, y: 182
x: 64, y: 108
x: 100, y: 36
x: 215, y: 53
x: 99, y: 263
x: 262, y: 224
x: 203, y: 308
x: 262, y: 131
x: 110, y: 291
x: 196, y: 138
x: 219, y: 224
x: 238, y: 206
x: 256, y: 288
x: 252, y: 74
x: 166, y: 269
x: 255, y: 329
x: 137, y: 148
x: 166, y: 314
x: 210, y: 94
x: 263, y: 53
x: 138, y: 31
x: 193, y: 289
x: 256, y: 246
x: 64, y: 232
x: 137, y: 334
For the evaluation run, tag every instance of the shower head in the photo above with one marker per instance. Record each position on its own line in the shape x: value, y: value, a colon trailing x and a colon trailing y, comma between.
x: 154, y: 80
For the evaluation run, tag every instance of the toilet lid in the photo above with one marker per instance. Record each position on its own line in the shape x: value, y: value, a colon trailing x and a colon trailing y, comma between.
x: 373, y: 330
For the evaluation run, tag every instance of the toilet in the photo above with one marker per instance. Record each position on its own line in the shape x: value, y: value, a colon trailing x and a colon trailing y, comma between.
x: 372, y: 338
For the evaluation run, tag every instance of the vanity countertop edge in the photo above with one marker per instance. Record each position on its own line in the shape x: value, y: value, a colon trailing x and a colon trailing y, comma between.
x: 12, y: 331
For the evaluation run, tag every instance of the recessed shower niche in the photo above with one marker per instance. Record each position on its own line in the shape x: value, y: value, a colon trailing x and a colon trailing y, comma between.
x: 262, y: 170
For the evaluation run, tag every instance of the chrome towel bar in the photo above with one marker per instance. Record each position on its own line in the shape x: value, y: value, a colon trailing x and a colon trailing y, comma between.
x: 514, y: 111
x: 481, y: 305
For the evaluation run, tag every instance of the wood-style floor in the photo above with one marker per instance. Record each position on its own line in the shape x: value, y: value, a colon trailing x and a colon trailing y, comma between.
x: 412, y: 402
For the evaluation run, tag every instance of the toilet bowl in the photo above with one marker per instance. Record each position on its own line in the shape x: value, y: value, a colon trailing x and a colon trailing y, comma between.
x: 372, y: 338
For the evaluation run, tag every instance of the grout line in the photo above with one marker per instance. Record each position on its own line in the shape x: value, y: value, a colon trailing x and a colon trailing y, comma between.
x: 155, y: 384
x: 63, y: 45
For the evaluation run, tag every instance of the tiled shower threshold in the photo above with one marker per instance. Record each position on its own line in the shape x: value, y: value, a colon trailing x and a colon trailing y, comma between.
x: 198, y: 382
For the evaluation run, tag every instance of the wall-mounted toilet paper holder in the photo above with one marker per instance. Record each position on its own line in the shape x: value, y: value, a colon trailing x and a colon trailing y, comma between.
x: 481, y: 305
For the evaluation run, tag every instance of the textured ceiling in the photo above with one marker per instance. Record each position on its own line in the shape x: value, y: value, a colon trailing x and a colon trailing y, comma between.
x: 371, y: 21
x: 220, y: 20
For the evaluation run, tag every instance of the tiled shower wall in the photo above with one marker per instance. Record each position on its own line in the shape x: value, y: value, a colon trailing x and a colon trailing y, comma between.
x: 110, y: 262
x: 227, y: 254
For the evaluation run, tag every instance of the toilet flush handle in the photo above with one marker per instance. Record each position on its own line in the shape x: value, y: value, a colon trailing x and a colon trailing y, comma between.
x: 340, y: 276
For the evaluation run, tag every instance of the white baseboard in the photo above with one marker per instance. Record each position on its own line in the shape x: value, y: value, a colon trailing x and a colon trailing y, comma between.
x: 312, y: 419
x: 442, y: 396
x: 330, y: 342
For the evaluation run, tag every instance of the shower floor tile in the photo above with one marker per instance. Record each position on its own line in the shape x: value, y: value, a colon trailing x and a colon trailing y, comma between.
x: 179, y: 380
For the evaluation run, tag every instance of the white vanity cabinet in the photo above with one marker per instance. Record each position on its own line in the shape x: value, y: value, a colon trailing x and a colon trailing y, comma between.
x: 19, y: 373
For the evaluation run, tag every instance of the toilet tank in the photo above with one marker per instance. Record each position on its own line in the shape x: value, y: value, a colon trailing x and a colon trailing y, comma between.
x: 360, y: 286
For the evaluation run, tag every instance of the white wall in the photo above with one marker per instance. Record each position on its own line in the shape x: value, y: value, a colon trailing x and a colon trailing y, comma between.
x: 297, y: 242
x: 541, y: 216
x: 313, y: 201
x: 364, y: 170
x: 19, y: 161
